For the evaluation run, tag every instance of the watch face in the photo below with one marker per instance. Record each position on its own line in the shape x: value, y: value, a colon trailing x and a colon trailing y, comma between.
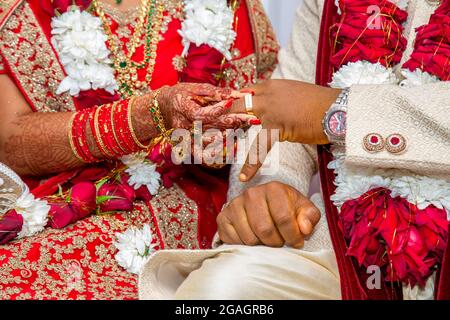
x: 337, y: 123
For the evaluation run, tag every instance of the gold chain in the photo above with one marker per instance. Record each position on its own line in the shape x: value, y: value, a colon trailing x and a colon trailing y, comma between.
x: 126, y: 68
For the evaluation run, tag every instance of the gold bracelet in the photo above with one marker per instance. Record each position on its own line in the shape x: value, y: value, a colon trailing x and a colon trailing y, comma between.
x: 158, y: 119
x: 72, y: 146
x: 130, y: 124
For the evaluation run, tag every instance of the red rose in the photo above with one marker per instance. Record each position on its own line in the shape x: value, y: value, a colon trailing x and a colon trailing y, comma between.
x: 10, y: 225
x: 115, y: 197
x: 203, y: 64
x: 61, y: 215
x: 83, y: 199
x: 407, y: 243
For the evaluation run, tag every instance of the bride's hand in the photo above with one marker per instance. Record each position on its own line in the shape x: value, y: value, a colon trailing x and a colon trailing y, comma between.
x: 185, y: 103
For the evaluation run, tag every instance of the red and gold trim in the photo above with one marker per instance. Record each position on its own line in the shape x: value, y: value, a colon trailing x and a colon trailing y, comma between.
x: 33, y: 63
x: 7, y: 7
x: 266, y: 44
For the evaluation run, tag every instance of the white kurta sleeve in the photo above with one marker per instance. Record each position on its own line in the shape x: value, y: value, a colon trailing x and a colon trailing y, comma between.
x: 296, y: 62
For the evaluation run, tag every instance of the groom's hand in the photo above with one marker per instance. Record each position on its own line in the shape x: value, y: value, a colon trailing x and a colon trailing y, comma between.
x: 272, y: 214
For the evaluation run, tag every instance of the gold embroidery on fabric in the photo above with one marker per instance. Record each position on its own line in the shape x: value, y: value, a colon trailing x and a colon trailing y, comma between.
x: 5, y: 8
x: 242, y: 73
x: 42, y: 261
x: 78, y: 262
x: 265, y: 41
x: 33, y: 61
x: 2, y: 67
x: 177, y: 217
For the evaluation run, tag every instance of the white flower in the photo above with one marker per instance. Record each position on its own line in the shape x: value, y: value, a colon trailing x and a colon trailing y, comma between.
x: 208, y: 22
x: 362, y: 72
x: 336, y: 3
x: 417, y: 78
x: 421, y: 191
x: 135, y: 246
x: 80, y: 41
x: 34, y: 213
x: 142, y: 172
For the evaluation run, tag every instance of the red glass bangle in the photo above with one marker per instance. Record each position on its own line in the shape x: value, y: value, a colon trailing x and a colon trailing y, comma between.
x: 94, y: 121
x: 121, y: 144
x: 79, y: 139
x: 123, y: 130
x: 105, y: 128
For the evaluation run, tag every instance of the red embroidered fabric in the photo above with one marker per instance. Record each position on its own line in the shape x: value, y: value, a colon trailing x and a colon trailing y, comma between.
x: 78, y: 262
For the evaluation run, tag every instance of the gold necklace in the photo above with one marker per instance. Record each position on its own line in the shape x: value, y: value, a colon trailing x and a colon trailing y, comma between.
x: 126, y: 68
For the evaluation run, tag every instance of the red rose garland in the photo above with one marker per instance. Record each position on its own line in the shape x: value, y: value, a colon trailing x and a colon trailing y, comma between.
x: 407, y: 243
x: 432, y: 46
x: 355, y: 40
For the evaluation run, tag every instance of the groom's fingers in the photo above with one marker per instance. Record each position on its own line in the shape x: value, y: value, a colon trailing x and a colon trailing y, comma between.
x: 257, y: 154
x: 307, y: 215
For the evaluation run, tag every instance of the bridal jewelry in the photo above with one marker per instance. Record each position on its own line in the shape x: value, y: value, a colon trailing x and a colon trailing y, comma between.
x: 124, y: 65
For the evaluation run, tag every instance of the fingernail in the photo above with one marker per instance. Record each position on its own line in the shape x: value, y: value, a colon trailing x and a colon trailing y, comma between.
x: 228, y: 104
x: 255, y: 122
x: 243, y: 177
x: 248, y: 91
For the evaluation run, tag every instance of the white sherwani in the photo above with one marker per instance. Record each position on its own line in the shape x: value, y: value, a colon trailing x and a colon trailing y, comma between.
x: 239, y: 272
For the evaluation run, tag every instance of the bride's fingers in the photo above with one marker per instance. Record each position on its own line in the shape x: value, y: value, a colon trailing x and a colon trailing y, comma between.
x: 212, y: 93
x: 208, y: 113
x: 231, y: 121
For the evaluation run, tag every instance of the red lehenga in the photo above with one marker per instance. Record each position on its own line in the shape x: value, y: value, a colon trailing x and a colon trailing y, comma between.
x: 78, y: 262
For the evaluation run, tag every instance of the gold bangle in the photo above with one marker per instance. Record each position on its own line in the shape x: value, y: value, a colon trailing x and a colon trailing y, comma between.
x: 130, y: 124
x: 98, y: 137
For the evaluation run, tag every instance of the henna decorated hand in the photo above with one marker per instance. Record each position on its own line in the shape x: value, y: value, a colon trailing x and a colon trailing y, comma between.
x: 185, y: 103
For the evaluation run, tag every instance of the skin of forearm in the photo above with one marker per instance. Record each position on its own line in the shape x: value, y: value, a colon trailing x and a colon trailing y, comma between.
x: 37, y: 144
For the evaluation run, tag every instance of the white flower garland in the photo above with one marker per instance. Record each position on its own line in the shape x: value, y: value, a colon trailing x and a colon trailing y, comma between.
x: 80, y: 41
x: 135, y: 246
x: 208, y: 22
x: 419, y: 190
x: 417, y: 78
x: 142, y: 172
x: 362, y: 72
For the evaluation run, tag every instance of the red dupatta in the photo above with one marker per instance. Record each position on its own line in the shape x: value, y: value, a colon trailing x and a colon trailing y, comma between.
x: 353, y: 279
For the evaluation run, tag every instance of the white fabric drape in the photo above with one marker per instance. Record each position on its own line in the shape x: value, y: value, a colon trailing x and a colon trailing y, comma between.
x: 281, y: 13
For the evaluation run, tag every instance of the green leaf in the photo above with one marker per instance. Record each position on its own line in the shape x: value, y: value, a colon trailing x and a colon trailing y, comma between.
x: 102, y: 199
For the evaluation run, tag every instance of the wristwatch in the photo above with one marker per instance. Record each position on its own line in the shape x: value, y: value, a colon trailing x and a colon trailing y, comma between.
x: 335, y: 120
